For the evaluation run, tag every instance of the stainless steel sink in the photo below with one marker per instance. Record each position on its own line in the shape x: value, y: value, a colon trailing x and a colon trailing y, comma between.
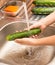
x: 39, y: 54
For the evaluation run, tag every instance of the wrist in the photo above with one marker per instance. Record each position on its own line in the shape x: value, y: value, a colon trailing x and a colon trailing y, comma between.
x: 48, y: 20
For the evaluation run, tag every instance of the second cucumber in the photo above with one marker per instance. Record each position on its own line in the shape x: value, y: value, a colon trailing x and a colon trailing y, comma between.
x: 43, y: 10
x: 44, y: 2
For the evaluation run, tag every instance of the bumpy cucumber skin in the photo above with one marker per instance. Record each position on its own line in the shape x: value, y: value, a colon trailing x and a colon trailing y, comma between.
x: 44, y: 2
x: 43, y: 10
x: 23, y: 34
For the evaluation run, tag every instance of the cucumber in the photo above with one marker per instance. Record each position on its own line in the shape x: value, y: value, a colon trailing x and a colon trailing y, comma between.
x: 44, y: 2
x: 43, y: 10
x: 22, y: 34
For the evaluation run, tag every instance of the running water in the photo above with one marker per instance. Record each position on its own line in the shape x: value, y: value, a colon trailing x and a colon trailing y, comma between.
x: 26, y: 14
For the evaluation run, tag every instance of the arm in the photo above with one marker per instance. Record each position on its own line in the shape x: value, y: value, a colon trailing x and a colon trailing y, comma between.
x: 43, y: 23
x: 42, y: 41
x: 50, y: 40
x: 48, y: 19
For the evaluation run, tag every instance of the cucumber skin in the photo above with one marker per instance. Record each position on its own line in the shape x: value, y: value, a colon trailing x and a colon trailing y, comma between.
x: 43, y: 10
x: 44, y: 2
x: 23, y: 34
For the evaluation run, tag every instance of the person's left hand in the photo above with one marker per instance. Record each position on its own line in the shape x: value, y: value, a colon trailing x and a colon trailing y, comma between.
x: 27, y: 41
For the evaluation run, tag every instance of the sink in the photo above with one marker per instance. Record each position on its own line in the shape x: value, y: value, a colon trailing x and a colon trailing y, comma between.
x: 22, y: 54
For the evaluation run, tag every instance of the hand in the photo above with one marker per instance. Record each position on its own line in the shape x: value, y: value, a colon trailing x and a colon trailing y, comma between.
x: 27, y: 41
x: 31, y: 41
x: 35, y: 42
x: 40, y: 24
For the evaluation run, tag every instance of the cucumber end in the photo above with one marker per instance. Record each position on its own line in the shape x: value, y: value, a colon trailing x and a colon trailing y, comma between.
x: 8, y: 38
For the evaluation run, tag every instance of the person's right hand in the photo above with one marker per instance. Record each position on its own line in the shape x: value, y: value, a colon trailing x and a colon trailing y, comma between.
x: 40, y: 24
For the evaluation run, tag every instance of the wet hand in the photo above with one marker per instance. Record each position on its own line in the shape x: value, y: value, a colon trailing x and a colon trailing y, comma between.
x: 26, y: 41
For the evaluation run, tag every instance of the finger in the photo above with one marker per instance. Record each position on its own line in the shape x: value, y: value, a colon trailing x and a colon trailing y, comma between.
x: 36, y: 36
x: 25, y: 41
x: 32, y: 36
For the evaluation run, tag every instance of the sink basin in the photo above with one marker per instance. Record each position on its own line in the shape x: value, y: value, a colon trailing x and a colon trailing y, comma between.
x: 15, y: 54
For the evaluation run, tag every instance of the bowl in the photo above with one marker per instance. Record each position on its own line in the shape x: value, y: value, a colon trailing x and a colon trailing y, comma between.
x: 14, y: 4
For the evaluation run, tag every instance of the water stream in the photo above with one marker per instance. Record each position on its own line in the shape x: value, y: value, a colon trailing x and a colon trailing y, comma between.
x: 26, y: 14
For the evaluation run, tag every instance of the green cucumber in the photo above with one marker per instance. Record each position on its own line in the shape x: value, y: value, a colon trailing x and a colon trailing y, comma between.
x: 43, y: 10
x: 44, y: 2
x: 23, y: 34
